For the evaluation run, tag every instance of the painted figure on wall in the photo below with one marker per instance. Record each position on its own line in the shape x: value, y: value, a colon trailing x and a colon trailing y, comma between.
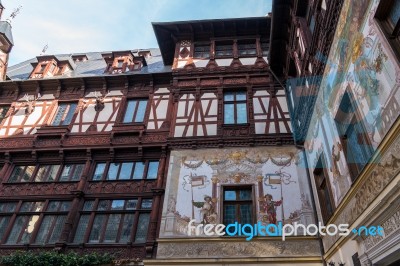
x: 269, y: 206
x: 208, y: 214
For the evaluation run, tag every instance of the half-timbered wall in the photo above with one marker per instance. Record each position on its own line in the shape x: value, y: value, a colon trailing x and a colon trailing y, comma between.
x: 158, y: 108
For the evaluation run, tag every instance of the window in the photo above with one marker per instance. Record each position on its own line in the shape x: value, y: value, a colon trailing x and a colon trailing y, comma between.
x: 354, y: 138
x: 46, y: 173
x: 72, y: 172
x: 247, y: 48
x: 3, y: 112
x: 53, y: 222
x: 323, y: 188
x: 223, y: 49
x: 202, y: 51
x: 388, y: 16
x: 114, y: 221
x: 120, y: 63
x: 41, y: 68
x: 6, y: 211
x: 37, y: 216
x: 235, y: 107
x: 238, y: 205
x: 312, y: 24
x: 126, y: 170
x: 64, y: 115
x: 135, y: 111
x: 264, y: 47
x: 22, y: 173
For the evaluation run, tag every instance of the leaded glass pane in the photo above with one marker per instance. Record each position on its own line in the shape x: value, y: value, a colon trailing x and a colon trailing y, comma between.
x: 394, y: 15
x: 112, y: 228
x: 152, y: 170
x: 245, y: 194
x: 141, y: 110
x: 65, y: 205
x: 230, y: 195
x: 47, y: 173
x: 3, y: 112
x: 104, y: 205
x: 229, y: 214
x: 229, y: 111
x: 241, y: 96
x: 71, y: 172
x: 78, y: 172
x: 60, y: 114
x: 245, y: 214
x: 53, y: 206
x: 241, y: 113
x: 7, y: 206
x: 117, y: 204
x: 143, y: 224
x: 4, y: 220
x: 81, y: 230
x: 126, y: 171
x: 28, y: 229
x: 57, y: 230
x: 44, y: 229
x: 229, y: 96
x: 88, y: 205
x: 131, y: 204
x: 32, y: 206
x: 70, y: 113
x: 139, y: 170
x: 18, y: 226
x: 98, y: 173
x: 113, y: 171
x: 97, y: 228
x: 130, y: 110
x: 126, y: 228
x: 146, y: 203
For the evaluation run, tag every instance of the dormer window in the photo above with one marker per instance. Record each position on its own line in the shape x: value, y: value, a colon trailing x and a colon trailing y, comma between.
x: 121, y: 62
x: 79, y: 58
x: 49, y: 66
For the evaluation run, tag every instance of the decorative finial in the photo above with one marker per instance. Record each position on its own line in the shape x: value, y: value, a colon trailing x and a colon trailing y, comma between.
x: 14, y: 14
x: 44, y: 49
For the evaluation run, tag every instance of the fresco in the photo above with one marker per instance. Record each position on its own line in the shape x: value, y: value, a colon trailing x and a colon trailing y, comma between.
x: 362, y: 64
x: 280, y: 191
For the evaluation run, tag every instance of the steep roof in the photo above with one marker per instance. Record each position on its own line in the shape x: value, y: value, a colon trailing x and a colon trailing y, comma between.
x: 94, y: 66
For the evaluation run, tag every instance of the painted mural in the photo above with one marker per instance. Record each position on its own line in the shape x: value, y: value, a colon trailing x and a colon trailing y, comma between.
x: 362, y: 67
x: 198, y: 181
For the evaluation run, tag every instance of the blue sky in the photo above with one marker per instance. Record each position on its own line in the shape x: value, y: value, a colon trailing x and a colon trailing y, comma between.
x: 75, y: 26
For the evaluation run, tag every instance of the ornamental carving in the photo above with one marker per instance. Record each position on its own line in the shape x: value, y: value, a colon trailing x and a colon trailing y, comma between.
x: 236, y: 131
x: 136, y: 186
x: 234, y: 81
x: 15, y: 143
x: 210, y: 82
x: 89, y: 140
x: 371, y: 186
x: 37, y: 189
x: 230, y: 249
x: 187, y: 83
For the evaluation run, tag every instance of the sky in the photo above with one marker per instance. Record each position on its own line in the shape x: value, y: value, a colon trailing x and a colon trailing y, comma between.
x: 78, y: 26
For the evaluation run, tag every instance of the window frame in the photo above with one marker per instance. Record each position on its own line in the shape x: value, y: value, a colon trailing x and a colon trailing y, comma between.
x: 323, y: 186
x: 354, y: 167
x: 41, y: 214
x: 235, y: 104
x: 135, y: 111
x: 202, y: 45
x: 107, y: 213
x: 225, y: 44
x: 390, y: 31
x: 105, y: 174
x: 237, y: 203
x: 32, y: 178
x: 241, y: 46
x: 65, y: 114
